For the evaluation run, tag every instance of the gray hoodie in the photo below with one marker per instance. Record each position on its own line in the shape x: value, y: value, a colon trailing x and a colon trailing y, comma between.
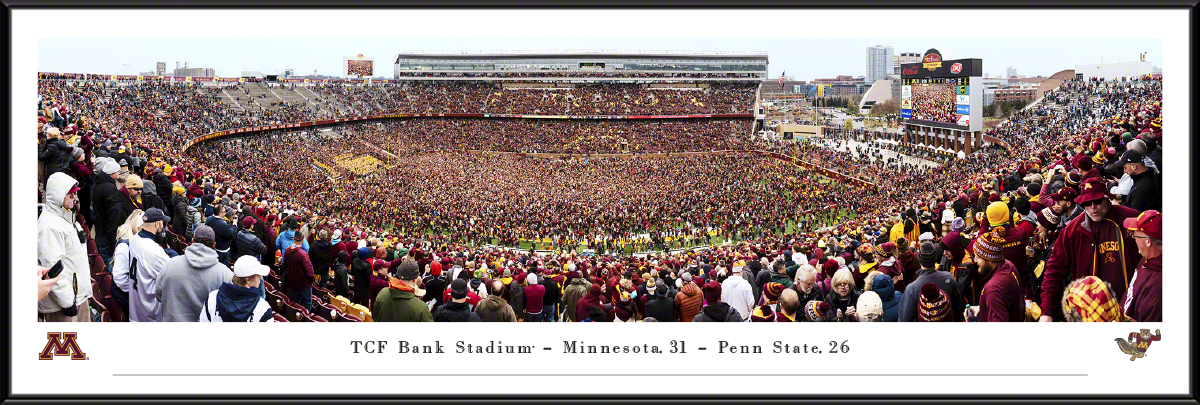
x: 185, y: 283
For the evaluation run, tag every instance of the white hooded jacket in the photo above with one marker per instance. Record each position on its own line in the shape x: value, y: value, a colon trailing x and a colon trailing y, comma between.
x: 58, y: 239
x: 151, y: 260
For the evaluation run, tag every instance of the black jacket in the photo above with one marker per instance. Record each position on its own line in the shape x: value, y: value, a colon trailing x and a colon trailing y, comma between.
x: 56, y: 155
x: 224, y: 233
x: 455, y: 312
x: 661, y: 308
x: 119, y: 208
x: 362, y: 278
x: 179, y: 215
x: 552, y: 294
x: 245, y: 243
x: 162, y: 184
x: 435, y: 288
x: 717, y: 312
x: 1145, y: 194
x: 103, y: 187
x: 835, y: 303
x: 319, y: 254
x: 340, y: 284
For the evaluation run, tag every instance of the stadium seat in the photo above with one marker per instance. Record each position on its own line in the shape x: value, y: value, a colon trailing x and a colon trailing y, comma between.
x: 316, y: 318
x: 359, y: 311
x: 347, y: 318
x: 276, y: 302
x: 280, y: 318
x: 270, y: 288
x: 324, y: 310
x: 340, y: 302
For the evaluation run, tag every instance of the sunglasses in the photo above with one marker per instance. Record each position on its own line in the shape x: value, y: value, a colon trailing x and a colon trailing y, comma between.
x: 1092, y: 202
x: 136, y: 189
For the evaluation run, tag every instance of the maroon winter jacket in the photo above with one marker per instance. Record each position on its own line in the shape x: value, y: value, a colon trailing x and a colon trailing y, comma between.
x: 1015, y: 241
x: 1077, y: 254
x: 533, y: 298
x: 299, y: 268
x: 1143, y: 299
x: 1002, y: 299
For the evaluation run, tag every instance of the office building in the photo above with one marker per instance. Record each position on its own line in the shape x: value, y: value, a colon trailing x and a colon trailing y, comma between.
x: 880, y: 62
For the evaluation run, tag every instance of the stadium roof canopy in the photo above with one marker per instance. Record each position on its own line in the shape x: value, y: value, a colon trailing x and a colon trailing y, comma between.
x: 581, y: 54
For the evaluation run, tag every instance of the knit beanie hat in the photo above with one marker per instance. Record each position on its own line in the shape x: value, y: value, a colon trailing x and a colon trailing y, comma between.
x: 958, y: 225
x: 870, y: 307
x: 927, y: 255
x: 997, y: 213
x: 1084, y: 164
x: 885, y: 249
x: 650, y: 286
x: 772, y: 291
x: 815, y: 310
x: 712, y: 291
x: 1073, y: 179
x: 762, y: 313
x: 829, y: 268
x: 1047, y: 219
x: 1093, y: 300
x: 933, y: 304
x: 990, y: 245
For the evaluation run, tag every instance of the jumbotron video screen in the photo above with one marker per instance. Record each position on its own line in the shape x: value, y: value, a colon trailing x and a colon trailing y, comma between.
x: 942, y: 93
x: 940, y: 99
x: 363, y: 68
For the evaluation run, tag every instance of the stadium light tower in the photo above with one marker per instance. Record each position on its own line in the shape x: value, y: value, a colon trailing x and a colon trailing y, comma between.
x: 126, y: 68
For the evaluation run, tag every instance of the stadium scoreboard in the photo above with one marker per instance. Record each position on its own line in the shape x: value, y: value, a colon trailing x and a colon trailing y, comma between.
x: 942, y: 93
x: 358, y: 66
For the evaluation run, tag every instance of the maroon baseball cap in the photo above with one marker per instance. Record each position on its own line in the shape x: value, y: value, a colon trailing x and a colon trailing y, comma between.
x: 1149, y: 222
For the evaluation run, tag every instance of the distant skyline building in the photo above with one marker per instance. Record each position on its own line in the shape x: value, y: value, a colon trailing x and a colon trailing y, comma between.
x: 880, y: 63
x: 904, y: 57
x: 1010, y: 72
x: 160, y: 69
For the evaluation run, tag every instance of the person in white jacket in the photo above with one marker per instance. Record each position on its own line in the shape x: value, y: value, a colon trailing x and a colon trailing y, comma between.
x: 239, y: 300
x: 149, y: 259
x: 120, y: 264
x: 60, y: 238
x: 737, y: 292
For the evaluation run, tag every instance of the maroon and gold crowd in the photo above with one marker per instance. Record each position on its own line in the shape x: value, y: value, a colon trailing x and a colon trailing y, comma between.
x: 1065, y: 226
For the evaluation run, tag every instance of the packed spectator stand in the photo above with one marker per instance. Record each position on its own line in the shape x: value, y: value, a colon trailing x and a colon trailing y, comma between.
x: 456, y: 199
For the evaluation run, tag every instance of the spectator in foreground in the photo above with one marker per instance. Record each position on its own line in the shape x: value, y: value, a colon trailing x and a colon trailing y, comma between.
x: 299, y: 273
x: 189, y: 278
x: 401, y: 300
x: 148, y: 260
x: 239, y: 300
x: 457, y: 310
x: 495, y: 308
x: 1142, y: 302
x: 61, y: 239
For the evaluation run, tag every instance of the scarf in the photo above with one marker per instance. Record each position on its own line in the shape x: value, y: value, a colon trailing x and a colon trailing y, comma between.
x: 397, y: 284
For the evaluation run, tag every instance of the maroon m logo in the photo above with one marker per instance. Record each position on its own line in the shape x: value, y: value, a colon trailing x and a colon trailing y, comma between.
x: 61, y: 344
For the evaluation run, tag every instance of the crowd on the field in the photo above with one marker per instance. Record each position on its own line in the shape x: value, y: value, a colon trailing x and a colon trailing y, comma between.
x: 934, y: 102
x: 1066, y: 226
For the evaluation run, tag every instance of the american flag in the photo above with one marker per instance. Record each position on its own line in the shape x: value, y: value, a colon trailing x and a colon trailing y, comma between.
x: 781, y: 79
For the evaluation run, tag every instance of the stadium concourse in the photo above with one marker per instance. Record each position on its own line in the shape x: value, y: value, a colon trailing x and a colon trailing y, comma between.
x: 666, y: 219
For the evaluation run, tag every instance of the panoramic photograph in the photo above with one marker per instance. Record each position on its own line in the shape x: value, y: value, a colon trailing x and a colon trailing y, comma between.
x: 606, y: 180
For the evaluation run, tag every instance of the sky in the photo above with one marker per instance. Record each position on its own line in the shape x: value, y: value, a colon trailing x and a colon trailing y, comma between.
x: 803, y: 59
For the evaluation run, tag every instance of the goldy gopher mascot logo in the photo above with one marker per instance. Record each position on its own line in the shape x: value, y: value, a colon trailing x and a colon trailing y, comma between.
x: 1137, y: 350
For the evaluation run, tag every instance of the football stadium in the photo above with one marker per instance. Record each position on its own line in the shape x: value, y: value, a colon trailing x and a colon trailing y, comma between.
x: 585, y: 186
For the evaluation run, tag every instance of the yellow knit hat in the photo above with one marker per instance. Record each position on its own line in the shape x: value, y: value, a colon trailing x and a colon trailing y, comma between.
x: 997, y: 213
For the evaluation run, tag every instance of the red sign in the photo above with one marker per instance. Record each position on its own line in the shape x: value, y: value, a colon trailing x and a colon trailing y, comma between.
x: 932, y: 57
x: 955, y: 68
x: 911, y: 70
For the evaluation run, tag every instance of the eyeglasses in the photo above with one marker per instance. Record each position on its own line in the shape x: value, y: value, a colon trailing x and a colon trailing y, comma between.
x: 1092, y: 202
x: 1140, y: 237
x: 136, y: 189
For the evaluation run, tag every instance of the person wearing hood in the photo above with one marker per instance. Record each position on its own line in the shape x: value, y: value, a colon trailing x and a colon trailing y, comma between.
x: 689, y: 300
x: 943, y: 279
x: 286, y: 237
x: 495, y: 308
x: 299, y: 273
x: 148, y: 259
x: 62, y: 240
x: 576, y: 289
x: 361, y: 271
x: 339, y: 282
x: 151, y: 199
x: 736, y: 291
x: 435, y: 284
x: 889, y: 299
x: 583, y: 309
x: 104, y: 185
x: 1142, y: 302
x: 844, y: 298
x: 457, y: 310
x: 885, y: 255
x: 321, y: 254
x: 188, y: 279
x: 401, y: 300
x: 55, y: 153
x: 239, y: 300
x: 716, y: 310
